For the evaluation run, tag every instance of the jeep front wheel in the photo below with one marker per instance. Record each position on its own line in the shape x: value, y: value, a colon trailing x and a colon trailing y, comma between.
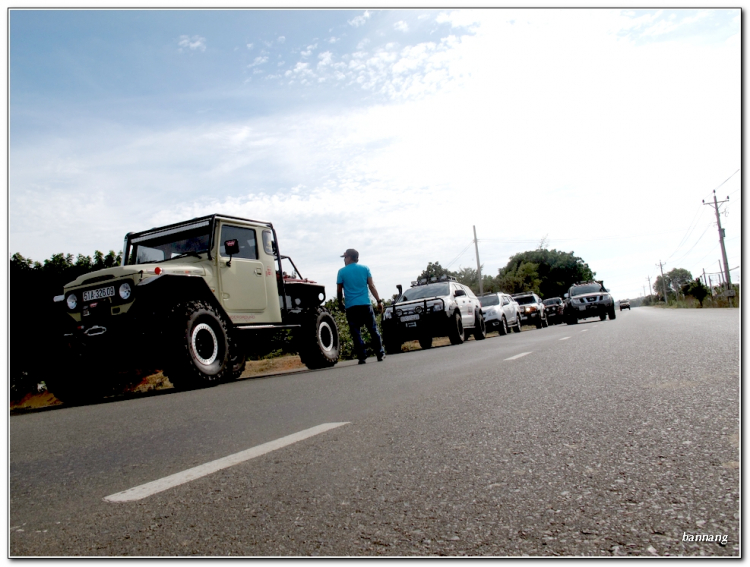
x: 318, y: 341
x: 201, y: 346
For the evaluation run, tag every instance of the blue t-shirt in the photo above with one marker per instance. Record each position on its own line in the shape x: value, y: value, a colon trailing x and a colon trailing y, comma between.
x: 354, y: 277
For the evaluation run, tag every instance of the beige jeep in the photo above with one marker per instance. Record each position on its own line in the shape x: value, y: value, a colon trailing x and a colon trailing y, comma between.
x: 191, y: 297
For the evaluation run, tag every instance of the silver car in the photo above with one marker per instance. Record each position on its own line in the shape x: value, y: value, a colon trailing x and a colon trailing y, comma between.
x: 501, y: 312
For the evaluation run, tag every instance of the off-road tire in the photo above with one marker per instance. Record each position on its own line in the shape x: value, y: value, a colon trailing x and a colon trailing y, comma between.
x: 425, y: 342
x: 456, y: 331
x: 392, y: 345
x: 237, y: 360
x: 539, y: 322
x: 480, y: 330
x: 503, y: 328
x: 318, y: 340
x: 200, y: 346
x: 602, y: 316
x: 85, y: 378
x: 517, y: 326
x: 612, y: 313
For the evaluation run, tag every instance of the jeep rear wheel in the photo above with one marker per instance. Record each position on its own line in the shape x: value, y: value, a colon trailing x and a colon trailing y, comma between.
x: 201, y: 346
x: 318, y: 340
x: 456, y: 332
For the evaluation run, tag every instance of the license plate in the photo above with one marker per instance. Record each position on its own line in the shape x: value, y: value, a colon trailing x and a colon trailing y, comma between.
x: 410, y: 318
x: 411, y: 324
x: 99, y: 293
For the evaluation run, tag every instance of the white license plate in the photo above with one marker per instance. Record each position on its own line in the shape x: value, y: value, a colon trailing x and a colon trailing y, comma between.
x: 410, y: 318
x: 99, y: 293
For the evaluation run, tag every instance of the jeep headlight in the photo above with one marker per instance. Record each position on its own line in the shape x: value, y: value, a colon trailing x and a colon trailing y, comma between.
x: 387, y: 314
x: 125, y: 290
x: 437, y: 307
x: 72, y: 301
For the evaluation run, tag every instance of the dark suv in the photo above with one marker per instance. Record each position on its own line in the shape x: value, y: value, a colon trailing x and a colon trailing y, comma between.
x: 588, y: 299
x: 554, y: 308
x: 532, y: 309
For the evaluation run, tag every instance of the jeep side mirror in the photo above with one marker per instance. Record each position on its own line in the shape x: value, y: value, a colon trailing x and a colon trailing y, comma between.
x: 459, y: 293
x: 232, y: 247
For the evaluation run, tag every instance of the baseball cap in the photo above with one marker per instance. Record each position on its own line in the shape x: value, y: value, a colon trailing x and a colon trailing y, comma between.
x: 352, y: 253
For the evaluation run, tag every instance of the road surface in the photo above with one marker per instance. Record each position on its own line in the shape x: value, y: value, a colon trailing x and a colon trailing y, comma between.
x: 603, y: 438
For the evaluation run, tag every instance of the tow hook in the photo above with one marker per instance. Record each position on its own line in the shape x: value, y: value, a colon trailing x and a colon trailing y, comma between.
x: 94, y: 331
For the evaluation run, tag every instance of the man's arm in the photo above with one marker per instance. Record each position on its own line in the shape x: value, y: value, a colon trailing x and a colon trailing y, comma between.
x: 340, y: 294
x: 374, y: 292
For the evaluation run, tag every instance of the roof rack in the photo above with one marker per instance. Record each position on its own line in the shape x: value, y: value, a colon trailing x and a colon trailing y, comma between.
x: 433, y: 279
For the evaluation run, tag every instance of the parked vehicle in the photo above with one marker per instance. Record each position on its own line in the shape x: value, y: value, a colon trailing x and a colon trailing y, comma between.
x: 553, y: 308
x: 501, y: 312
x: 190, y: 297
x: 432, y: 308
x: 588, y: 299
x: 532, y: 309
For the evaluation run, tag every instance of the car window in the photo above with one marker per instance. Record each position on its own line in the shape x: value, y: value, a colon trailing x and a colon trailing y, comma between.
x: 524, y: 300
x: 489, y: 300
x: 430, y: 290
x: 506, y: 301
x: 582, y: 289
x: 246, y: 238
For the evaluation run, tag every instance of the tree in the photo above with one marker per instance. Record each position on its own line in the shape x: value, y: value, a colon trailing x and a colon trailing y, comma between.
x: 555, y: 270
x: 523, y: 277
x: 696, y: 289
x: 434, y: 269
x: 677, y: 278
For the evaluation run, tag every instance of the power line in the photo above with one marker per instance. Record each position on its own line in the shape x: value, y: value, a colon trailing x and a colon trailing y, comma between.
x: 694, y: 245
x: 459, y: 255
x: 691, y: 228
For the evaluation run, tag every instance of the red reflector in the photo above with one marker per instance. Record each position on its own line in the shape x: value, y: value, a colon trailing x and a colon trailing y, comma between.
x: 157, y: 271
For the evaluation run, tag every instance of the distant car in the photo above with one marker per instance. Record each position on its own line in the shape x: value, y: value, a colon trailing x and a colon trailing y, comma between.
x: 432, y: 308
x: 624, y: 304
x: 501, y: 312
x: 532, y: 309
x: 588, y: 299
x: 554, y: 308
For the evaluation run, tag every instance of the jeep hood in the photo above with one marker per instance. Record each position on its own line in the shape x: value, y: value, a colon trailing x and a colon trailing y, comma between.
x: 140, y: 271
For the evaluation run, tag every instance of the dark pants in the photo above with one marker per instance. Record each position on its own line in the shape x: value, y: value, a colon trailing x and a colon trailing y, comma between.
x: 363, y: 316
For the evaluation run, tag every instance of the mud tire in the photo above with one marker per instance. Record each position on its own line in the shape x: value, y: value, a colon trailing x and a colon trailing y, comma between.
x: 425, y: 342
x: 318, y: 340
x: 480, y: 330
x: 503, y: 328
x: 200, y: 345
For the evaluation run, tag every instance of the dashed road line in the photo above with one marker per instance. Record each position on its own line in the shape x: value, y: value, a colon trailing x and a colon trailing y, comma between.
x: 564, y: 338
x: 518, y: 356
x: 156, y: 486
x: 585, y: 331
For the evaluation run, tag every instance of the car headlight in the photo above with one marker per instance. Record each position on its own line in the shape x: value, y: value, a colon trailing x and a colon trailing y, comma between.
x: 125, y: 290
x: 437, y: 307
x: 387, y: 314
x: 399, y: 312
x: 72, y: 301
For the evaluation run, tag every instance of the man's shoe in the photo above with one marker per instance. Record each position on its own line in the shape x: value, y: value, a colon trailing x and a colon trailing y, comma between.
x: 381, y: 357
x: 362, y: 362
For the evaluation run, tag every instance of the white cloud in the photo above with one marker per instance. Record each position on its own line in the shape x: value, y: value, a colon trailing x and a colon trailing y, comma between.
x: 193, y: 43
x: 401, y: 26
x: 281, y: 39
x: 258, y: 61
x: 249, y: 45
x: 360, y: 20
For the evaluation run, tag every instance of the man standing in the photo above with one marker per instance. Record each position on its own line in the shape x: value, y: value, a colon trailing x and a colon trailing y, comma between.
x: 353, y: 281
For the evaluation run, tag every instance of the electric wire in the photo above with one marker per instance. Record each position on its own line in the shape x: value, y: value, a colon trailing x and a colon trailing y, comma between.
x: 459, y: 255
x: 691, y: 228
x: 694, y: 245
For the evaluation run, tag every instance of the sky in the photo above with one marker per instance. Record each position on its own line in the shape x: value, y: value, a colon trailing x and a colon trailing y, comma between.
x: 395, y: 132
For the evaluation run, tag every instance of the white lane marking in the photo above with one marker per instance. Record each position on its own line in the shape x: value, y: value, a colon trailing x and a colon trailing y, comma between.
x: 151, y: 488
x: 564, y: 338
x: 585, y: 331
x: 518, y: 356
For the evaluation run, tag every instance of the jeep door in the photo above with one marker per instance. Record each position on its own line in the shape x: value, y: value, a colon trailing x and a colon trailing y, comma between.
x: 243, y: 285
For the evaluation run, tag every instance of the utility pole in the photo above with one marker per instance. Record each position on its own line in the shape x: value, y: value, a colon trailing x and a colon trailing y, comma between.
x: 649, y: 286
x: 711, y: 286
x: 715, y: 205
x: 705, y: 281
x: 479, y: 267
x: 663, y: 282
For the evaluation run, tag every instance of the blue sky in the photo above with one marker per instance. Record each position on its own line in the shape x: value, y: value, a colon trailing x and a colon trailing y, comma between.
x: 390, y: 131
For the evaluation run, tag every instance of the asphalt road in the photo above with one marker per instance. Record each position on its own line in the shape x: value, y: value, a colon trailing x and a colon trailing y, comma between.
x: 608, y: 438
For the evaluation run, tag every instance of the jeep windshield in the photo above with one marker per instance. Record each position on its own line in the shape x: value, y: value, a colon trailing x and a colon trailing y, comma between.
x: 161, y: 245
x: 489, y: 300
x: 555, y: 301
x: 584, y: 289
x: 525, y: 299
x: 430, y: 290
